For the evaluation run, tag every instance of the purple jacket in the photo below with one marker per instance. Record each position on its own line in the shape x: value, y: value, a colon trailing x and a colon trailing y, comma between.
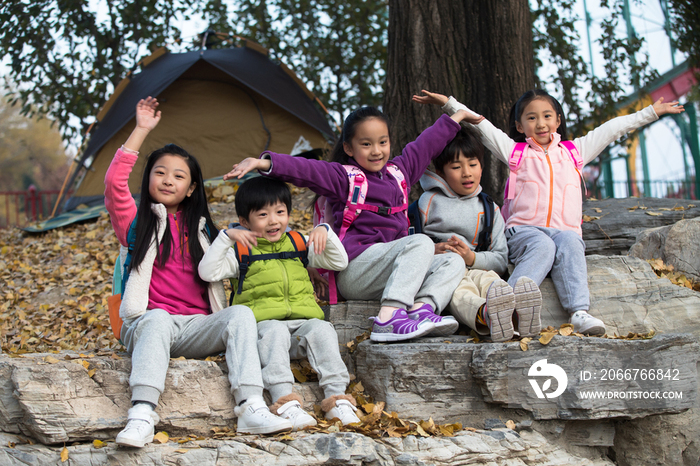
x: 331, y: 180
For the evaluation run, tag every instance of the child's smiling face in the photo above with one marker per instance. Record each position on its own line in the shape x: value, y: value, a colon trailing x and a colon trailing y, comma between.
x: 462, y: 174
x: 370, y: 146
x: 269, y: 223
x: 170, y: 182
x: 539, y: 121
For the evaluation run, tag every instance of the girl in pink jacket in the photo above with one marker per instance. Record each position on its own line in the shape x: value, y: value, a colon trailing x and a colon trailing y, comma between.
x: 543, y: 196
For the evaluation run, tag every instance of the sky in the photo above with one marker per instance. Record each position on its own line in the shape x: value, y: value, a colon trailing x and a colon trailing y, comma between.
x: 665, y: 155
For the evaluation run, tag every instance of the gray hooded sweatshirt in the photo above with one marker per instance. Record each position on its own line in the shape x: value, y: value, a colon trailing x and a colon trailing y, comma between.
x: 443, y: 214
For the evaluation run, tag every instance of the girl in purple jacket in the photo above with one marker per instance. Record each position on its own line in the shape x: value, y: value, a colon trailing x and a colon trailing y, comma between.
x: 412, y: 284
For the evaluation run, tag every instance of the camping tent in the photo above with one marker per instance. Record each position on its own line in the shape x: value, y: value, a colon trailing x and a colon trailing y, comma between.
x: 221, y: 105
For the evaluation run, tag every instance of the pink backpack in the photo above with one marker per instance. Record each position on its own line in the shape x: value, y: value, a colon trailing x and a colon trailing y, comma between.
x: 357, y: 192
x: 516, y: 158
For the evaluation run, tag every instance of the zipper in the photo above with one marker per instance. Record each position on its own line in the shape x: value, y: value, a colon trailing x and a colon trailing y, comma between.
x: 551, y: 182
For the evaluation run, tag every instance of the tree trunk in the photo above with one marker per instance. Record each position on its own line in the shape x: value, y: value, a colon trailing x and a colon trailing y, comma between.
x: 480, y: 52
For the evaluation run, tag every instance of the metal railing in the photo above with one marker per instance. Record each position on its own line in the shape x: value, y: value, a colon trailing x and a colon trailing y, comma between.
x: 680, y: 189
x: 19, y: 208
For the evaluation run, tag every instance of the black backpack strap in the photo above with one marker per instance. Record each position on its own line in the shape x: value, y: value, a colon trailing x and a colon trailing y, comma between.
x: 489, y: 211
x: 415, y: 226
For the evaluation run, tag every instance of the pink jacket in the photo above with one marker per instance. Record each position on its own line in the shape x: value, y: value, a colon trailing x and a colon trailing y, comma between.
x: 548, y: 186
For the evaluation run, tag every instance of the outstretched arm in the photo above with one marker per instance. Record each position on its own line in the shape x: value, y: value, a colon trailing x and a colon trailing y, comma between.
x: 433, y: 98
x: 147, y: 118
x: 247, y: 165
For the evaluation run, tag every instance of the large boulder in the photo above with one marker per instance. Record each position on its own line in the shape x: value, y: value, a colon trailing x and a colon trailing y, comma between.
x: 677, y: 245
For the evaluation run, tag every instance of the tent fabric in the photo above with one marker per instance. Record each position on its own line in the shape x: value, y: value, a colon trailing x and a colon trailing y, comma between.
x: 220, y: 105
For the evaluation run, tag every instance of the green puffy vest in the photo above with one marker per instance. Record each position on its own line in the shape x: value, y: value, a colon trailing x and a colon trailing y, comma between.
x: 277, y: 288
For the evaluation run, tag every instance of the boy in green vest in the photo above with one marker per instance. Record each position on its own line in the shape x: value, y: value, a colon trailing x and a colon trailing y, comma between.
x: 271, y: 279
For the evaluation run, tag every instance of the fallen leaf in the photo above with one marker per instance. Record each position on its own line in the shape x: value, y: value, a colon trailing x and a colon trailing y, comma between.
x: 161, y: 437
x: 546, y: 338
x: 654, y: 214
x: 64, y: 455
x: 510, y: 424
x: 51, y: 359
x: 98, y: 443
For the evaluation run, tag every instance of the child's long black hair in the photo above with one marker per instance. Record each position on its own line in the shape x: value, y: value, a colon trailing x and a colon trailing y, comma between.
x: 193, y: 208
x: 350, y: 127
x: 517, y: 109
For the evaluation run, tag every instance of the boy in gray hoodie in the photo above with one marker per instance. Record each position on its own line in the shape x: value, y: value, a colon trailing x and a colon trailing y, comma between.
x: 453, y: 214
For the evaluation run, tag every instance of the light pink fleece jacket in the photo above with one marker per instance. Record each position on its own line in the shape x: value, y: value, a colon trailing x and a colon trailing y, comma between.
x: 174, y: 287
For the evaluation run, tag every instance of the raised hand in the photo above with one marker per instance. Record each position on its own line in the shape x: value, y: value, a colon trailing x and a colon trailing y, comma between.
x: 147, y: 115
x: 430, y: 98
x: 662, y: 108
x: 247, y: 165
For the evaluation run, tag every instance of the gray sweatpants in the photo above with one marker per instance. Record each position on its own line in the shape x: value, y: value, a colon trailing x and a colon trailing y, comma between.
x: 314, y: 339
x: 401, y: 273
x: 536, y: 251
x: 156, y: 336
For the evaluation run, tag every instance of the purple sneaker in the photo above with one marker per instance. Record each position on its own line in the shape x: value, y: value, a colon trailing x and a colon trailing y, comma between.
x: 444, y: 325
x: 400, y: 327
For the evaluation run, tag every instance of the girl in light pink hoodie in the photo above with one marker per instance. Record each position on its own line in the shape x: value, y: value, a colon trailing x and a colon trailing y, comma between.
x: 543, y: 202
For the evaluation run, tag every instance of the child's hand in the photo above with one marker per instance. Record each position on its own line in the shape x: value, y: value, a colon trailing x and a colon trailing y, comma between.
x: 463, y: 115
x: 245, y: 237
x: 662, y: 108
x: 430, y: 98
x: 318, y: 237
x: 247, y: 165
x: 146, y: 115
x: 319, y: 283
x: 457, y: 246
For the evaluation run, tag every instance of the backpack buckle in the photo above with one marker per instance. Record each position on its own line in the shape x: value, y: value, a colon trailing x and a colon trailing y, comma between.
x: 383, y: 210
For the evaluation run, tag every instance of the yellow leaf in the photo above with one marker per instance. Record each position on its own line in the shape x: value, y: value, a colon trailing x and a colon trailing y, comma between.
x: 301, y: 378
x: 546, y: 338
x: 523, y: 343
x: 654, y: 214
x: 446, y: 430
x: 510, y: 424
x: 91, y: 372
x: 161, y: 437
x: 98, y: 443
x: 64, y: 455
x: 51, y: 360
x: 85, y: 364
x: 566, y: 331
x: 183, y: 450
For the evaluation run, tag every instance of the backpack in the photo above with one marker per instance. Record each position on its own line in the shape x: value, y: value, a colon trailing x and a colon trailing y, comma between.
x: 516, y: 158
x: 484, y: 237
x: 119, y: 279
x: 355, y: 204
x: 245, y: 258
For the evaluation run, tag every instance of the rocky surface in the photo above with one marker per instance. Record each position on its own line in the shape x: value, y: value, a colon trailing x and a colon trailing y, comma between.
x: 496, y: 447
x: 611, y: 226
x: 677, y: 245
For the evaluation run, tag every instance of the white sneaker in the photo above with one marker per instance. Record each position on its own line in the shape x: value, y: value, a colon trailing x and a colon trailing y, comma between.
x: 500, y: 304
x: 140, y: 428
x: 587, y: 324
x: 345, y: 411
x: 299, y: 418
x: 254, y: 417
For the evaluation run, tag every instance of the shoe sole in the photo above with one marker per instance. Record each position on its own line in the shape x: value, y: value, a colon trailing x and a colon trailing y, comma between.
x: 422, y: 330
x: 133, y: 443
x: 528, y: 306
x: 500, y: 304
x: 445, y: 328
x: 261, y: 430
x: 593, y: 331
